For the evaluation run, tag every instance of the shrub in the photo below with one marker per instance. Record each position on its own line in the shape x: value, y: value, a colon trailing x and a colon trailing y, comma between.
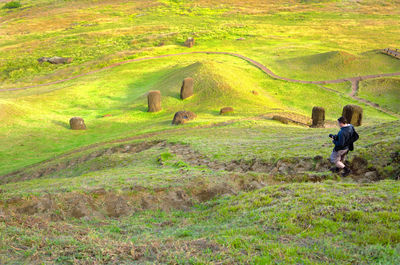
x: 12, y: 4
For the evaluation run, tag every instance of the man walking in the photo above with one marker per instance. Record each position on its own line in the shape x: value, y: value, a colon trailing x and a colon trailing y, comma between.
x: 343, y: 144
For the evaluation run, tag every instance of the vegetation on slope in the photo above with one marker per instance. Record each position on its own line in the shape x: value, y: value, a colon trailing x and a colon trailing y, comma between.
x: 384, y: 91
x: 41, y: 115
x: 337, y: 64
x: 239, y: 188
x: 97, y: 33
x: 291, y: 223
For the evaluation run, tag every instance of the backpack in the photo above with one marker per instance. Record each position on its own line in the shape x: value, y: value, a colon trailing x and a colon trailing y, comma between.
x: 354, y: 138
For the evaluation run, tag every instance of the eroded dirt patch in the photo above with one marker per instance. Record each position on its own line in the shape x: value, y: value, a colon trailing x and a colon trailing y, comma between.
x: 51, y: 168
x: 293, y: 169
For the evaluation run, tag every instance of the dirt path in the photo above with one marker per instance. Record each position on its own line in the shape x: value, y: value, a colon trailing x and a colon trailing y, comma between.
x: 121, y: 140
x: 353, y: 80
x: 362, y: 100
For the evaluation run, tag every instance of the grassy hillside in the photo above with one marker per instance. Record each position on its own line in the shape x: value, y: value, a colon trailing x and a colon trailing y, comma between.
x: 384, y: 91
x: 293, y: 223
x: 96, y: 33
x: 43, y: 114
x: 240, y: 188
x: 337, y: 64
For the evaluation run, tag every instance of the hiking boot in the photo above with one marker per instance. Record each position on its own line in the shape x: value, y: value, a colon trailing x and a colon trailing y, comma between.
x: 346, y: 172
x: 334, y: 169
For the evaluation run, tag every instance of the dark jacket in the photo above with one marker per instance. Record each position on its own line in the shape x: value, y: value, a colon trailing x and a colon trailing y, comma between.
x: 344, y: 138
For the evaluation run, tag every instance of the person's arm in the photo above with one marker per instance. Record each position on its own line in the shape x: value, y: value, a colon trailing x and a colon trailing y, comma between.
x: 339, y: 140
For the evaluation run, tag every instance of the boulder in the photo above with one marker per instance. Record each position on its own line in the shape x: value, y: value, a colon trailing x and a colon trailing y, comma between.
x: 77, y: 123
x: 182, y: 117
x: 318, y: 117
x: 55, y: 60
x: 60, y: 60
x: 189, y: 42
x: 226, y: 110
x: 187, y: 88
x: 353, y: 114
x: 154, y: 101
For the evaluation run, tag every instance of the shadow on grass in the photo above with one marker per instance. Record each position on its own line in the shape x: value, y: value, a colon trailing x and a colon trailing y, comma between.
x: 61, y: 123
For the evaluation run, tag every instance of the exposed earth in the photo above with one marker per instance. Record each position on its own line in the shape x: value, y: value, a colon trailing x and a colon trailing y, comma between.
x: 196, y: 132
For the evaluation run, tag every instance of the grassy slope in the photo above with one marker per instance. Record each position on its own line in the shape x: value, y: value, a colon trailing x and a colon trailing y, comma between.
x: 384, y: 91
x: 289, y: 223
x: 337, y: 64
x: 220, y: 81
x: 293, y: 223
x: 96, y: 33
x: 246, y: 140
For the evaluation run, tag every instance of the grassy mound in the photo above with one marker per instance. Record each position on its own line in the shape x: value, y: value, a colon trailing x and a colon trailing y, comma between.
x: 384, y: 91
x: 216, y: 85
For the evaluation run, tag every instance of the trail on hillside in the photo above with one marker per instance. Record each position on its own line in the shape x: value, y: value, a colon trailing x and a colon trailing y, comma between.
x: 362, y: 100
x: 314, y: 168
x: 122, y: 140
x: 354, y: 80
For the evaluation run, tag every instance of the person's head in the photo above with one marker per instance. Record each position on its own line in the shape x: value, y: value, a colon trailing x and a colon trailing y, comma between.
x: 342, y: 122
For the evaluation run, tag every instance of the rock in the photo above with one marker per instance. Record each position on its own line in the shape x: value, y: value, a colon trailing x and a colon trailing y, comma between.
x: 55, y: 60
x: 353, y: 114
x: 154, y: 101
x: 226, y: 110
x: 318, y: 117
x: 282, y: 119
x: 77, y: 123
x: 182, y: 117
x: 187, y: 88
x: 254, y: 185
x: 189, y: 42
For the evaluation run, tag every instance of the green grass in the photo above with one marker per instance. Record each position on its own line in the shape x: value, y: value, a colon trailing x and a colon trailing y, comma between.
x: 336, y: 64
x: 220, y: 81
x: 222, y: 219
x: 12, y: 5
x: 100, y: 33
x: 384, y: 91
x: 293, y: 223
